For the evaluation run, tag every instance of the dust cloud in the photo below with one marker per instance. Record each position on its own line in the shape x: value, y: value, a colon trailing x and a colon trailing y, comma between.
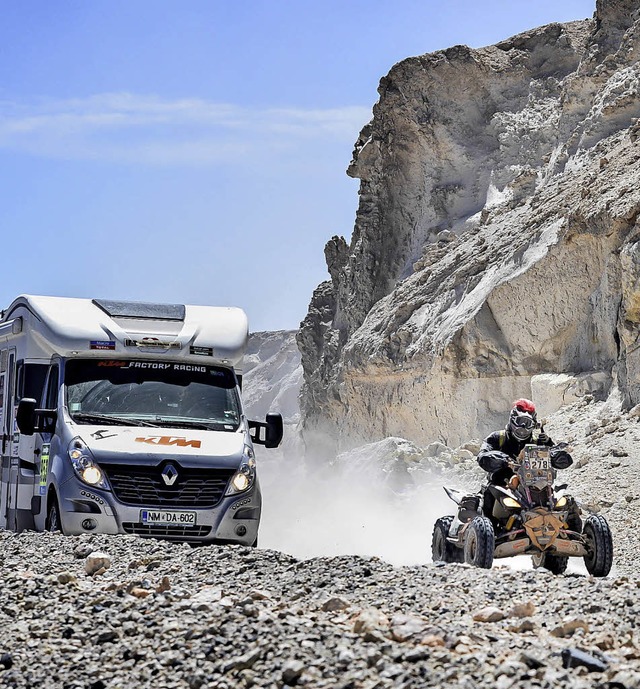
x: 326, y: 508
x: 323, y: 509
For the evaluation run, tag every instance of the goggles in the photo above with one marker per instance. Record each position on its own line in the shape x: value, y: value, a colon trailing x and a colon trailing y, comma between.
x: 523, y: 421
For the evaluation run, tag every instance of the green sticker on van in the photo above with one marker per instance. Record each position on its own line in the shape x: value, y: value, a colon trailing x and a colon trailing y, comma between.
x: 44, y: 467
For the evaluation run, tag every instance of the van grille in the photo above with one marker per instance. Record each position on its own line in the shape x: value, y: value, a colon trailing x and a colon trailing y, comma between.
x: 164, y: 530
x: 144, y: 486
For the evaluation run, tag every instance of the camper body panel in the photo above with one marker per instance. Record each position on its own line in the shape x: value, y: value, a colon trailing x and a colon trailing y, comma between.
x: 17, y: 464
x: 69, y: 327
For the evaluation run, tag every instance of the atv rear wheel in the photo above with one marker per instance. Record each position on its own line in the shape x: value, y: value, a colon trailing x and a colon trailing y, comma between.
x: 441, y: 549
x: 599, y: 557
x: 556, y: 564
x: 479, y: 543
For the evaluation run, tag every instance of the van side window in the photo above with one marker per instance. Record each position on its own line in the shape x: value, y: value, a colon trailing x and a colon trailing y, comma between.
x: 51, y: 398
x: 30, y: 381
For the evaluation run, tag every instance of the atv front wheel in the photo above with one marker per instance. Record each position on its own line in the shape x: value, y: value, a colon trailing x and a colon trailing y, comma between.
x: 556, y: 564
x: 479, y: 543
x: 441, y: 549
x: 599, y: 557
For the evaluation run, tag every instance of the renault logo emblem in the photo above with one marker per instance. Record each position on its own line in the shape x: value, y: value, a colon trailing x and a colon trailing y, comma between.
x: 169, y: 474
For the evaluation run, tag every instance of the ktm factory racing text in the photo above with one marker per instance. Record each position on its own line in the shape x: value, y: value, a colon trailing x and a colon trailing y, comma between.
x: 138, y: 433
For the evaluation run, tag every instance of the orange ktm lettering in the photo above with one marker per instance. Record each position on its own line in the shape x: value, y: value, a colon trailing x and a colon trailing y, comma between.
x: 169, y: 440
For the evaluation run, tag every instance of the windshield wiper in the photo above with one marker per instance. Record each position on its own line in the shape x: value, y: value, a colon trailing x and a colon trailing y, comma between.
x: 218, y: 425
x: 104, y: 418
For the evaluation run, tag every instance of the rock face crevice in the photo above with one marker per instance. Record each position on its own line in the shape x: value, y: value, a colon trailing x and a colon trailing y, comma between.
x: 495, y: 239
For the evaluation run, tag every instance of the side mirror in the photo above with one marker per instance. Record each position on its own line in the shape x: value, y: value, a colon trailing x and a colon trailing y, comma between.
x: 26, y: 416
x: 273, y: 431
x: 29, y: 419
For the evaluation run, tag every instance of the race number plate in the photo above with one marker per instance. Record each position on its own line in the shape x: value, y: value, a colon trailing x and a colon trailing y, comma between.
x: 168, y: 517
x: 536, y: 459
x: 537, y: 464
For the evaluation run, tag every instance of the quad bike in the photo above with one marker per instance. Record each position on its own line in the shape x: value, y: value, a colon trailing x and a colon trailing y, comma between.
x: 529, y: 517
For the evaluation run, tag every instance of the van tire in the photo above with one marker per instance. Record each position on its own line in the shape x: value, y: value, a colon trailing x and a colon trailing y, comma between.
x: 53, y: 522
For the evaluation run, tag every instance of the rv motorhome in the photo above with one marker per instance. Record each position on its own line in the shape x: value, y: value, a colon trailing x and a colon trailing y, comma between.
x: 125, y: 417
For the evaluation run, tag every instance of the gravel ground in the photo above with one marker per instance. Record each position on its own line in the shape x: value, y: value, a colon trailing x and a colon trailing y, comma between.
x: 227, y: 616
x: 165, y: 615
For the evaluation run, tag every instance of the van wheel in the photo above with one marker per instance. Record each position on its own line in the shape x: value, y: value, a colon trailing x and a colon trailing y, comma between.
x: 254, y: 544
x: 53, y: 523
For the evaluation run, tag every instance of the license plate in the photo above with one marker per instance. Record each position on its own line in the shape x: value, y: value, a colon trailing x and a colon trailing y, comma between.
x: 168, y: 517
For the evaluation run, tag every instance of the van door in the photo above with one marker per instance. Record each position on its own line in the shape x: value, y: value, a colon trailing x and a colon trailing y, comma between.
x: 43, y: 443
x: 30, y: 378
x: 5, y: 467
x: 10, y: 463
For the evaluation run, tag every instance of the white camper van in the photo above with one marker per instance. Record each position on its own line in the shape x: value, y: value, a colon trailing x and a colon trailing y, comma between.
x: 124, y: 417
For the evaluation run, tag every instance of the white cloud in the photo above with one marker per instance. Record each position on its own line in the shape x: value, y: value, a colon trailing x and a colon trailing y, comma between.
x: 130, y: 128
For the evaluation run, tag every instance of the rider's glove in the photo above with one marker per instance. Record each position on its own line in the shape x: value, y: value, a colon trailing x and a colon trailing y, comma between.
x: 561, y: 460
x: 543, y: 439
x: 493, y: 461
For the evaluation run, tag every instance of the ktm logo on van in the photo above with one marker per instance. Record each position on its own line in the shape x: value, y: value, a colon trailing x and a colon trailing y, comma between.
x: 169, y: 440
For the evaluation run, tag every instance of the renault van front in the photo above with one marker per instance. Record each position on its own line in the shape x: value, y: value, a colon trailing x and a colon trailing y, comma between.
x: 152, y: 447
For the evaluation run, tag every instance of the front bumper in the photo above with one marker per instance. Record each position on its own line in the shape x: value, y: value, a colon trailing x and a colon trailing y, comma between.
x: 234, y: 519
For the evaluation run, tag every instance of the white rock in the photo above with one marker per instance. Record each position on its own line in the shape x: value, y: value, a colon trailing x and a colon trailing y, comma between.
x: 97, y: 563
x: 489, y: 614
x: 435, y: 449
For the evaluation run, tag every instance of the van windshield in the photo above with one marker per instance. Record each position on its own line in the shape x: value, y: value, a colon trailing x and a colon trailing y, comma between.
x: 151, y: 393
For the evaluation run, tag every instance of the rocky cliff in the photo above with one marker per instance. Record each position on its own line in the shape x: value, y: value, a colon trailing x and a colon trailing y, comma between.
x: 496, y: 244
x: 272, y: 375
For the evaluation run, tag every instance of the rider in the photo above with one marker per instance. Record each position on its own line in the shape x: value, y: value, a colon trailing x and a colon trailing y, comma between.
x: 501, y: 447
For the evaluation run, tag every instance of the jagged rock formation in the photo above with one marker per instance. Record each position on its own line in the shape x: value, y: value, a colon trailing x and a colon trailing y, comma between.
x: 272, y: 375
x: 495, y: 241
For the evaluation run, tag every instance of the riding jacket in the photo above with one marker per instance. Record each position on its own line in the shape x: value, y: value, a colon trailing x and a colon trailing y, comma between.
x: 503, y: 441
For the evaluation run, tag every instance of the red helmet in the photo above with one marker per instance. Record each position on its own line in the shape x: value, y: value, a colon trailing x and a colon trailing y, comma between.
x: 522, y: 419
x: 525, y: 405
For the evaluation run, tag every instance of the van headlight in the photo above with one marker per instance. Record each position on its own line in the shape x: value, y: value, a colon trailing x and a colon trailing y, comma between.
x: 85, y: 465
x: 245, y: 477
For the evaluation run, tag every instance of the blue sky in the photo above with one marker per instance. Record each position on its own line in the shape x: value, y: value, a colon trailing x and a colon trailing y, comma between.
x: 195, y: 152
